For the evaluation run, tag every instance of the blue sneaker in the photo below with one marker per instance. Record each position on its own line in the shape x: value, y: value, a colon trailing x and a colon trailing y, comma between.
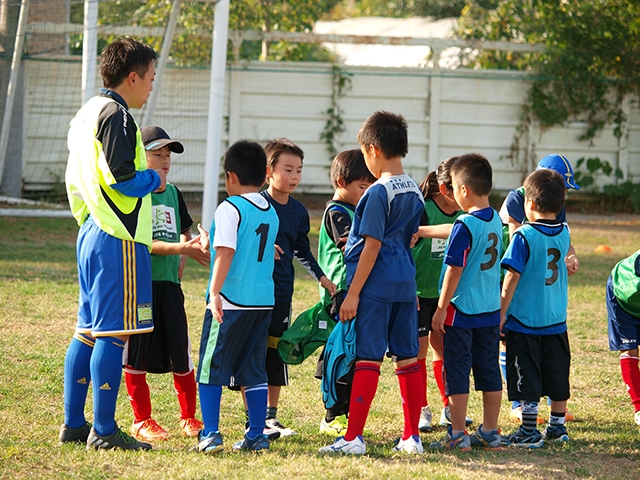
x: 488, y: 441
x: 524, y: 439
x: 461, y: 442
x: 209, y: 444
x: 556, y: 433
x: 257, y: 444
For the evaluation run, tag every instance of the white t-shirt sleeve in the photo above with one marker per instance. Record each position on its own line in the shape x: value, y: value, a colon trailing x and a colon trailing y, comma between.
x: 227, y: 220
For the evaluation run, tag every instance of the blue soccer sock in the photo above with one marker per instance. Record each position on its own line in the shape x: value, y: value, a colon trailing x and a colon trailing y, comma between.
x: 77, y: 376
x: 210, y: 396
x: 256, y: 396
x: 106, y: 371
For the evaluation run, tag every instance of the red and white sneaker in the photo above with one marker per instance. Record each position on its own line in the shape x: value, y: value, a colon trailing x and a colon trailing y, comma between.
x: 148, y: 430
x: 190, y: 427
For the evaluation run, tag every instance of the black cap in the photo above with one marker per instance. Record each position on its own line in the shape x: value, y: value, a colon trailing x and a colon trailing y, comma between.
x: 155, y: 138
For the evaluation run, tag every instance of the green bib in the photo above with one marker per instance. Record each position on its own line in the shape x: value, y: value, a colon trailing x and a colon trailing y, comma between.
x: 428, y: 253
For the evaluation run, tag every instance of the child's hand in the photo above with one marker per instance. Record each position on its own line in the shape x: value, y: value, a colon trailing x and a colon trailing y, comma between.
x: 503, y: 320
x: 438, y: 319
x: 349, y: 307
x: 278, y: 252
x: 193, y: 248
x: 573, y: 264
x: 215, y: 305
x: 328, y: 285
x: 414, y: 239
x: 204, y: 238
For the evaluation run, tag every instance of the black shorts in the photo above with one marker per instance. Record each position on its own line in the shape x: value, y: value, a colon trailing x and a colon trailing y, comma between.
x: 277, y: 370
x: 167, y: 348
x: 428, y: 307
x: 538, y: 366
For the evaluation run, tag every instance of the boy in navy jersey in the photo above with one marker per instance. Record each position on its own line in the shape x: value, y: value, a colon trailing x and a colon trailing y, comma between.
x: 468, y: 312
x: 284, y: 172
x: 381, y: 282
x: 533, y: 311
x: 350, y: 178
x: 239, y: 299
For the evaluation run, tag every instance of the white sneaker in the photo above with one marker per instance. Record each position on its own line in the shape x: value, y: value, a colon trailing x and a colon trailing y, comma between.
x: 637, y: 417
x: 424, y: 425
x: 410, y: 446
x: 274, y: 423
x: 445, y: 418
x: 354, y: 447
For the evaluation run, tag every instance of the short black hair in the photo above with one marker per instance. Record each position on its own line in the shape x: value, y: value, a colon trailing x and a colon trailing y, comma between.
x: 547, y: 189
x: 248, y: 161
x: 386, y: 131
x: 474, y: 171
x: 351, y: 167
x: 123, y: 56
x: 277, y: 147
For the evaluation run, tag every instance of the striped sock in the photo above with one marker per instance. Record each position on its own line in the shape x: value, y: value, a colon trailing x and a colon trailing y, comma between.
x: 529, y: 415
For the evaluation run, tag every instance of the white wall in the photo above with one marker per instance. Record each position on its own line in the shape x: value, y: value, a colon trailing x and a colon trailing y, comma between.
x: 478, y: 111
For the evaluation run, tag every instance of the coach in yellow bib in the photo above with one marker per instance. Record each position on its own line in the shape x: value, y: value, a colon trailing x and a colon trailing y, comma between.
x: 109, y: 188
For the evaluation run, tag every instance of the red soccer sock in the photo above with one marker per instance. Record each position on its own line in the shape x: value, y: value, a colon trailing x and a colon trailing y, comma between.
x: 363, y: 389
x: 185, y: 384
x: 423, y: 373
x: 139, y: 394
x: 631, y: 377
x: 410, y: 381
x: 438, y: 375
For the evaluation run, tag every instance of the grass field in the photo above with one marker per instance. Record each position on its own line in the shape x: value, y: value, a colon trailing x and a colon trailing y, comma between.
x: 38, y: 299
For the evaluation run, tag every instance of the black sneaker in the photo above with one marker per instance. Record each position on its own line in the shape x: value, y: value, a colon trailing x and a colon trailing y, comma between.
x: 556, y: 433
x: 79, y: 434
x: 261, y: 442
x: 271, y: 433
x: 117, y: 440
x: 524, y: 439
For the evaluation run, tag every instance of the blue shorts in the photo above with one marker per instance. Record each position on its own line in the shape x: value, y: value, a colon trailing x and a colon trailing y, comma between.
x: 234, y: 352
x: 467, y: 348
x: 382, y: 326
x: 115, y: 284
x: 624, y: 328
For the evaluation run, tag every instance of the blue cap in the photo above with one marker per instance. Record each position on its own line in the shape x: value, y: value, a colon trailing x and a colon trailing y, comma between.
x: 561, y: 165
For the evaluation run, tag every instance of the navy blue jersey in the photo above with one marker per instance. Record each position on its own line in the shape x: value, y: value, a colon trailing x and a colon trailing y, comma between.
x: 539, y: 304
x: 293, y: 239
x: 390, y: 212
